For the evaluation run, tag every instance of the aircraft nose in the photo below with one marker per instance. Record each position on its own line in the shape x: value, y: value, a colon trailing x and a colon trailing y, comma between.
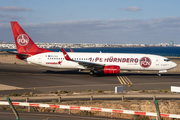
x: 174, y: 64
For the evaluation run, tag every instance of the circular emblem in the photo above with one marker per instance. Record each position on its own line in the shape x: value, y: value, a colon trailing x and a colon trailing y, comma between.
x: 22, y: 39
x: 145, y: 62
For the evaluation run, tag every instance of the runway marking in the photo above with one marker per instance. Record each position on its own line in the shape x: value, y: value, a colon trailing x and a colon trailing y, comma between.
x: 119, y: 80
x: 128, y: 79
x: 124, y: 79
x: 8, y: 87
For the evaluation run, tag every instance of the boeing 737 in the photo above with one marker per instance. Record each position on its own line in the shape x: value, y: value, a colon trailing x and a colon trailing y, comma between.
x: 108, y: 63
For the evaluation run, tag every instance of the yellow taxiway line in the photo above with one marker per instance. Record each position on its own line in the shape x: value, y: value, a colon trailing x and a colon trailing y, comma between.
x: 124, y: 79
x: 119, y: 79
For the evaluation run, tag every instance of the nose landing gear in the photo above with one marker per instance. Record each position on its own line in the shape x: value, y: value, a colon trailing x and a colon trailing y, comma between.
x: 161, y: 71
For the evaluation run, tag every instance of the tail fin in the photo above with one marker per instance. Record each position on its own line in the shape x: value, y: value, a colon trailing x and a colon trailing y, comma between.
x: 23, y: 42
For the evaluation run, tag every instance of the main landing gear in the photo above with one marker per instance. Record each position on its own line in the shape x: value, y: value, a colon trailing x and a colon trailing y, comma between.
x: 92, y: 73
x: 159, y: 74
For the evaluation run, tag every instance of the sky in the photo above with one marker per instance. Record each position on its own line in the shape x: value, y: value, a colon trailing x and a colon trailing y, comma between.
x: 93, y: 21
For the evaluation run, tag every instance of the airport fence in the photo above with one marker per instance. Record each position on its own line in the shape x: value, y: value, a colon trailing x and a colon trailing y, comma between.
x: 69, y: 107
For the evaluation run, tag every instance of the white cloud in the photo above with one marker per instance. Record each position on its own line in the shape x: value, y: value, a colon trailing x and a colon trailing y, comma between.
x: 13, y: 9
x: 131, y: 8
x: 155, y: 30
x: 10, y: 16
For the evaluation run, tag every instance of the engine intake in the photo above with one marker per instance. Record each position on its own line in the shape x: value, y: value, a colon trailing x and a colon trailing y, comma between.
x: 111, y: 69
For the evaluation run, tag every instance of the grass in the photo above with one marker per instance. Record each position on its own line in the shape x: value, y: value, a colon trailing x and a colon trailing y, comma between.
x: 134, y: 89
x: 55, y: 92
x: 64, y: 91
x: 100, y: 91
x: 86, y: 113
x: 165, y: 91
x: 88, y: 90
x: 15, y: 94
x: 22, y: 110
x: 143, y: 91
x: 160, y: 90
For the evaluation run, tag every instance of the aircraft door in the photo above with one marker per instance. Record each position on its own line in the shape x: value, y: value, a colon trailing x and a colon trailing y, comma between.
x: 39, y: 58
x: 157, y: 61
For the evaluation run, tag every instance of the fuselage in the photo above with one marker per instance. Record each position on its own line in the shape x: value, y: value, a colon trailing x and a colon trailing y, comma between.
x: 124, y: 60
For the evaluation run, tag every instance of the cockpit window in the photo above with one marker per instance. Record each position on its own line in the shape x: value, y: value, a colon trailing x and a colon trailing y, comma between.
x: 166, y: 60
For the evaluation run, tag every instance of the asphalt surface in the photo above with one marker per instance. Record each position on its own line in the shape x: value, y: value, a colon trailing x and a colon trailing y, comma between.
x: 9, y: 115
x: 38, y: 79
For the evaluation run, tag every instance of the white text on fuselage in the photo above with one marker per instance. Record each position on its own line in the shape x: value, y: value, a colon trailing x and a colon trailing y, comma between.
x: 114, y: 59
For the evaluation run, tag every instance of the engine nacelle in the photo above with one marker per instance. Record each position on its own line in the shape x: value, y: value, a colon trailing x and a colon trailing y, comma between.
x: 111, y: 69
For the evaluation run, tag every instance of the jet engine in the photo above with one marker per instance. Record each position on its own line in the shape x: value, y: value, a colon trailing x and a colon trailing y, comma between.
x: 111, y: 69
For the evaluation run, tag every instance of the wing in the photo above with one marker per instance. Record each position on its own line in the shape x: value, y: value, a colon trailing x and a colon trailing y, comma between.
x: 83, y: 63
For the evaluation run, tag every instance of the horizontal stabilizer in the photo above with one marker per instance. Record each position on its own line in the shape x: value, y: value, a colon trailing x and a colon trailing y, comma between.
x: 19, y: 55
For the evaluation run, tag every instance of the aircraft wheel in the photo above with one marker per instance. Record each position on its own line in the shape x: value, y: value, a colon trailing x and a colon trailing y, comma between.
x: 91, y: 73
x: 159, y: 74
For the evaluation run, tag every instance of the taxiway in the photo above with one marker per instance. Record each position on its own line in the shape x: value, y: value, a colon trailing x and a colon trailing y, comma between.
x: 37, y: 79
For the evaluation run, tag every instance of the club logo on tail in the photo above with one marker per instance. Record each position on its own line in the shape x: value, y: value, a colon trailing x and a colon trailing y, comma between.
x: 22, y: 40
x: 145, y: 62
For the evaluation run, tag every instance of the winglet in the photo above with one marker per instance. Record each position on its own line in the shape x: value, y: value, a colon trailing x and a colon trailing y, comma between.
x: 66, y: 56
x: 71, y: 50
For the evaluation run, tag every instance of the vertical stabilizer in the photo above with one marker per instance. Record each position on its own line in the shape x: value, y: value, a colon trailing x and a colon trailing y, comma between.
x: 23, y: 42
